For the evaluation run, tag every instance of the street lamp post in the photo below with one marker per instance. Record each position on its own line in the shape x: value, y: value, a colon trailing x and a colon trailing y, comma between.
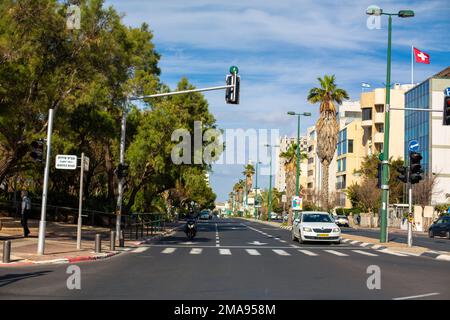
x: 372, y: 10
x: 269, y: 209
x: 297, y: 173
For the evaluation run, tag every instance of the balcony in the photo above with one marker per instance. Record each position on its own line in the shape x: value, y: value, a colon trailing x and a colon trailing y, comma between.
x: 379, y: 117
x: 378, y: 137
x: 367, y: 123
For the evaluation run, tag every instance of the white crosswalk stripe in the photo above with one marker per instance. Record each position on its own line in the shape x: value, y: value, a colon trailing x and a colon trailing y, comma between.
x: 365, y: 253
x: 225, y: 252
x: 140, y: 250
x: 393, y: 253
x: 337, y: 253
x: 308, y: 253
x: 253, y: 252
x: 281, y: 252
x: 168, y: 250
x: 196, y: 251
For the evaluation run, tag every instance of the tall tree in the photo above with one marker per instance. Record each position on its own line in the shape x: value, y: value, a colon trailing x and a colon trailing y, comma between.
x: 249, y: 171
x: 327, y: 127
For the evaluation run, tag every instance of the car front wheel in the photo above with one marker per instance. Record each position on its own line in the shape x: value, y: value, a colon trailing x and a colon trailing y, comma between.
x: 431, y: 233
x: 293, y: 237
x: 447, y: 234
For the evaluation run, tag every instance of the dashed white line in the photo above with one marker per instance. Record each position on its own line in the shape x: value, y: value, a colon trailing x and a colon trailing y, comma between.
x: 281, y: 252
x: 168, y: 250
x: 337, y: 253
x: 226, y: 252
x: 418, y: 296
x: 308, y: 253
x: 140, y: 250
x: 196, y: 251
x: 365, y: 253
x: 393, y: 253
x: 253, y: 252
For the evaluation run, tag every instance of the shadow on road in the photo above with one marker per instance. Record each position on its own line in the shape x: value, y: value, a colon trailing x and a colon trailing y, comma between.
x: 12, y: 278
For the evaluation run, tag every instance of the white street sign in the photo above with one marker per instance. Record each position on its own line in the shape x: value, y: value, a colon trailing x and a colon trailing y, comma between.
x: 283, y: 198
x: 66, y: 162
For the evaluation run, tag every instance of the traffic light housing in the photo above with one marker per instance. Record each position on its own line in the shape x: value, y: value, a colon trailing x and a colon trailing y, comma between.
x: 403, y: 174
x: 122, y: 170
x: 415, y: 168
x: 38, y: 150
x: 446, y: 115
x: 232, y: 93
x: 380, y: 175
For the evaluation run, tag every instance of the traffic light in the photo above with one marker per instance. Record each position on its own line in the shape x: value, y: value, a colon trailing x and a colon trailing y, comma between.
x: 38, y: 150
x: 446, y: 118
x: 403, y: 174
x: 380, y: 175
x: 415, y: 168
x: 122, y: 170
x: 232, y: 93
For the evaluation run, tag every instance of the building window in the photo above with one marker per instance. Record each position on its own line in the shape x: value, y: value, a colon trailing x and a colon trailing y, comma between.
x: 310, y: 160
x: 342, y: 142
x: 350, y: 146
x: 341, y: 182
x: 310, y: 173
x: 310, y: 185
x: 367, y: 114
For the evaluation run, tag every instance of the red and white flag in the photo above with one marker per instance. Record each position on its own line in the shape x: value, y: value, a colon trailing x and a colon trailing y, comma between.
x: 421, y: 57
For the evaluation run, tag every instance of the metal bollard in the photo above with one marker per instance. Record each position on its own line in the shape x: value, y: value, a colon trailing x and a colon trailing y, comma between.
x: 112, y: 241
x: 98, y: 243
x: 122, y: 239
x: 7, y: 251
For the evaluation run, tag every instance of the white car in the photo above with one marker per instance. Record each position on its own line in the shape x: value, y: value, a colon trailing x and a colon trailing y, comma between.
x: 315, y: 226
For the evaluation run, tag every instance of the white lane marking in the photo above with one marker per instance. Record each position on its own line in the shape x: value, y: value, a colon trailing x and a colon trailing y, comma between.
x: 365, y: 253
x: 253, y: 252
x: 196, y: 251
x: 364, y: 244
x: 308, y: 253
x: 225, y: 252
x: 281, y: 252
x: 354, y: 242
x: 168, y: 250
x: 393, y: 253
x: 444, y: 257
x: 337, y: 253
x: 418, y: 296
x: 376, y: 246
x: 345, y: 240
x: 294, y: 246
x: 139, y: 250
x: 284, y: 241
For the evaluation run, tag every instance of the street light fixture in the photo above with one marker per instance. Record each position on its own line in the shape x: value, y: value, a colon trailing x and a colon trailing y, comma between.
x: 373, y: 10
x: 297, y: 173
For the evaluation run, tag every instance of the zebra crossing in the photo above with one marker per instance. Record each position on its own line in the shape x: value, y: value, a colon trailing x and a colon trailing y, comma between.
x: 287, y: 252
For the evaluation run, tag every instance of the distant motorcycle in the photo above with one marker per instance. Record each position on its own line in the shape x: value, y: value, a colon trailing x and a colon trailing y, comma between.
x: 190, y: 229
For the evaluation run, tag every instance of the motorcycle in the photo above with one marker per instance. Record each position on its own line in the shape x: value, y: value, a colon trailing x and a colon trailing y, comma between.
x: 190, y: 229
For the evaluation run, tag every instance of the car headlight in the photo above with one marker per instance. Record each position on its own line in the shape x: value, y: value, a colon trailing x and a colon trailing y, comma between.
x: 306, y: 229
x: 336, y: 230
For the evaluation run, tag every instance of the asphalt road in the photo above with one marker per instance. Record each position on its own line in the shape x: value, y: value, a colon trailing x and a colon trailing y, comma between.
x: 422, y: 240
x: 235, y: 259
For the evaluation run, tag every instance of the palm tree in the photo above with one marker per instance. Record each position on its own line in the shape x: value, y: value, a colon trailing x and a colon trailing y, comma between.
x: 290, y: 167
x: 327, y: 126
x: 249, y: 171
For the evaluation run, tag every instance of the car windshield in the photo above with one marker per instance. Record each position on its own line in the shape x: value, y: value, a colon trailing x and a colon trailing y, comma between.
x: 316, y: 218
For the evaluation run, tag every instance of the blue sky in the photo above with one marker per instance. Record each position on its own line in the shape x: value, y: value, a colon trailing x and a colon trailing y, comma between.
x: 281, y: 47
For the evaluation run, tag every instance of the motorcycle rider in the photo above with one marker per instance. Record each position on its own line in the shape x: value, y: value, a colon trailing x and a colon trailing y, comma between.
x: 190, y: 219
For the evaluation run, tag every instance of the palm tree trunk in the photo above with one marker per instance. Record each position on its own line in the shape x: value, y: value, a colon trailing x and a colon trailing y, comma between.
x: 325, y: 188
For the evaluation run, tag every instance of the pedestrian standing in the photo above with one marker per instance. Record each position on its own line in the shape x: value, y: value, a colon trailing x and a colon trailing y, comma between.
x: 26, y: 210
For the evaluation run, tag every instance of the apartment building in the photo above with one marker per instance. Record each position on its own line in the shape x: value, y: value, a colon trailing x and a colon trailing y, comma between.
x: 280, y: 173
x: 373, y: 113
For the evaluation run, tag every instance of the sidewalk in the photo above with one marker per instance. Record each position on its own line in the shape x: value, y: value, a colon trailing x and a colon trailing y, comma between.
x: 60, y: 243
x: 368, y: 242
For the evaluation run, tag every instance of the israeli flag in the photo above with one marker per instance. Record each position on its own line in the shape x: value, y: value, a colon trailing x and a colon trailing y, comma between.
x: 365, y: 85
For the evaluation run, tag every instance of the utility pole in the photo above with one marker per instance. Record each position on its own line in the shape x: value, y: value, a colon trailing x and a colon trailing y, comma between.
x: 42, y: 223
x: 80, y: 205
x: 270, y: 181
x: 410, y: 237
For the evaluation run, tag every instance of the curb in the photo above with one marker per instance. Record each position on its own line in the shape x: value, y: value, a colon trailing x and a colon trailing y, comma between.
x: 61, y: 260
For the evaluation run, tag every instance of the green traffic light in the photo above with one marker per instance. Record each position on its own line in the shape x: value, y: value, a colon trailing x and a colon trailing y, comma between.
x: 234, y: 70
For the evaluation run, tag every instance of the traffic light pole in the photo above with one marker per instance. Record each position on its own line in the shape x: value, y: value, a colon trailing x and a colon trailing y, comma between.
x: 123, y: 129
x: 410, y: 236
x: 80, y: 205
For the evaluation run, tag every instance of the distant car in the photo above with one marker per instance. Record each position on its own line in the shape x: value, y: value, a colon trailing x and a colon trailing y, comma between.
x: 342, y: 220
x: 315, y: 226
x: 204, y: 215
x: 441, y: 228
x: 273, y: 215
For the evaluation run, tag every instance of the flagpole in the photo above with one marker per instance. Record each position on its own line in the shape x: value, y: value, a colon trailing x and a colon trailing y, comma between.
x: 412, y: 65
